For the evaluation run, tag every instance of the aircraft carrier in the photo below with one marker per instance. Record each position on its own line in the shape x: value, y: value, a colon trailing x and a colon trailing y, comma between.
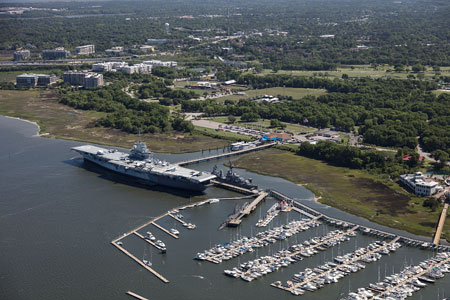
x: 144, y: 168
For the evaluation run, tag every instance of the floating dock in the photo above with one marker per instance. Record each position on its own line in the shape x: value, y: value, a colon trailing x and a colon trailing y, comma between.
x: 223, y: 155
x: 135, y: 295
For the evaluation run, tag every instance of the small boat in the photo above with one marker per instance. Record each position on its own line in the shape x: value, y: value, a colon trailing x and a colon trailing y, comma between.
x: 119, y: 243
x: 147, y: 263
x: 159, y: 243
x: 174, y: 231
x: 210, y: 201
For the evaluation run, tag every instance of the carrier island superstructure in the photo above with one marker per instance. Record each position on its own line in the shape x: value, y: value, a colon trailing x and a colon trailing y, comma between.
x: 144, y: 168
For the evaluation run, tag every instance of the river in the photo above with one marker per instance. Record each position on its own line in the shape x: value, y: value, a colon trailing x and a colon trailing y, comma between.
x: 58, y: 218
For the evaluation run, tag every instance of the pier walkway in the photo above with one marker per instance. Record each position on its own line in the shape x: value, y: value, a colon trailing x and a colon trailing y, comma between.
x: 351, y: 261
x: 223, y: 155
x: 147, y: 240
x: 437, y: 235
x: 135, y: 295
x: 162, y: 278
x: 234, y: 188
x: 247, y: 209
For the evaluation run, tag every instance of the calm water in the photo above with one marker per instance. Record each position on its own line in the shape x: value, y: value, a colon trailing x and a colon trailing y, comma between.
x: 57, y: 220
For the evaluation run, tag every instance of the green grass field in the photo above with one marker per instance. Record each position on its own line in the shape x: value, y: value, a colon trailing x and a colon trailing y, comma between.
x: 370, y: 196
x: 361, y: 71
x: 265, y: 124
x: 61, y: 121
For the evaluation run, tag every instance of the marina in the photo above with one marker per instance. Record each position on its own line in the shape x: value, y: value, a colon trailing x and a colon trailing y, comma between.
x: 236, y: 248
x: 410, y: 279
x: 262, y: 266
x: 95, y: 210
x: 344, y: 265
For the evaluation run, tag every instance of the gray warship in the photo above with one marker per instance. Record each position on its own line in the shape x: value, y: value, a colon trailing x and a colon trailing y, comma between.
x: 144, y: 168
x: 233, y: 178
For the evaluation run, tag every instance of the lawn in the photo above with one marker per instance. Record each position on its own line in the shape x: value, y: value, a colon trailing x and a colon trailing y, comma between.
x: 61, y: 121
x: 265, y: 124
x: 295, y: 93
x: 370, y: 196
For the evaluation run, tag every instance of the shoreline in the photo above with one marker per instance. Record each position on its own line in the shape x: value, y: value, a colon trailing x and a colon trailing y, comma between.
x: 38, y: 132
x: 71, y: 138
x: 316, y: 198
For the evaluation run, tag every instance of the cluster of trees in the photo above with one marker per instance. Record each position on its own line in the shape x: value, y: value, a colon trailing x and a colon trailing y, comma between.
x: 124, y: 112
x: 167, y: 96
x: 355, y: 158
x: 172, y: 73
x: 391, y: 113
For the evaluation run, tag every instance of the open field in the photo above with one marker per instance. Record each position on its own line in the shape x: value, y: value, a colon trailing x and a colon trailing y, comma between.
x: 61, y: 121
x: 295, y: 93
x: 355, y: 191
x: 361, y: 71
x: 265, y: 124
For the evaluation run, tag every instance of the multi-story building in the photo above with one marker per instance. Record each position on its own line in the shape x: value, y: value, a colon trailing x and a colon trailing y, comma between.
x: 57, y: 53
x: 114, y: 51
x: 93, y: 80
x: 85, y: 50
x: 121, y: 67
x: 75, y: 78
x: 33, y: 80
x: 21, y: 55
x: 159, y: 63
x: 86, y: 79
x: 156, y: 41
x: 419, y: 184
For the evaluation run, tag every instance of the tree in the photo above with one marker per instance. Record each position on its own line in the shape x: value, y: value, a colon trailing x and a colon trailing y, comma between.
x: 418, y: 68
x: 442, y: 157
x: 250, y: 117
x: 231, y: 119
